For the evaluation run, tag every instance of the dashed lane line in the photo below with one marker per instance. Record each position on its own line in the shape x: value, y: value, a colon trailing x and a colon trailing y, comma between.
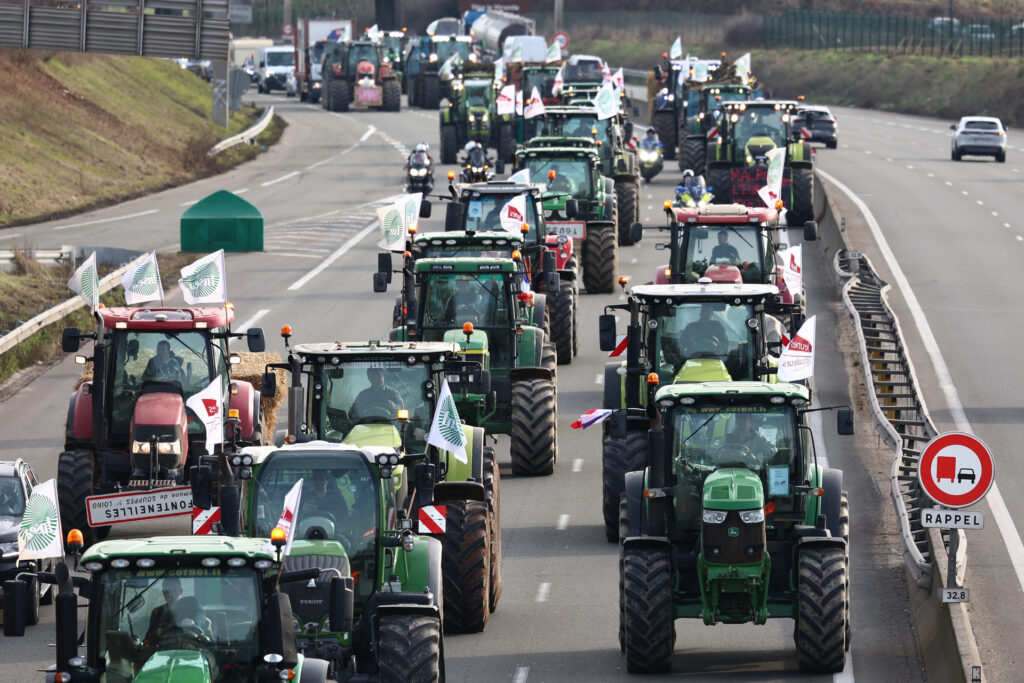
x: 301, y: 282
x: 256, y: 317
x: 107, y: 220
x: 563, y: 522
x: 577, y: 465
x: 543, y: 591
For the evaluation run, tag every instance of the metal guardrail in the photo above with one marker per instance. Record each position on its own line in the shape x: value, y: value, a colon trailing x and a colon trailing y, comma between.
x: 900, y: 413
x: 52, y: 315
x: 46, y: 256
x: 247, y: 135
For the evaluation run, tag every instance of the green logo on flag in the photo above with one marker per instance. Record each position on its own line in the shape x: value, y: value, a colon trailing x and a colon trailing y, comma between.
x: 144, y: 282
x: 605, y: 100
x: 392, y: 226
x: 39, y: 523
x: 203, y: 282
x: 410, y: 212
x: 88, y: 278
x: 449, y: 424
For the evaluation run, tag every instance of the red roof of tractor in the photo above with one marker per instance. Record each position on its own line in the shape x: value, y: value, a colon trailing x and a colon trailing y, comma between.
x: 166, y: 318
x: 725, y: 214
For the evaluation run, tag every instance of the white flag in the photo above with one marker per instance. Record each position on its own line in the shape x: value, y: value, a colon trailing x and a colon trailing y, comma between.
x: 86, y: 282
x: 792, y: 268
x: 771, y: 193
x: 507, y: 100
x: 519, y: 102
x: 208, y: 405
x: 40, y: 536
x: 447, y: 70
x: 522, y: 176
x: 554, y: 53
x: 676, y: 51
x: 797, y: 359
x: 743, y: 66
x: 619, y: 79
x: 391, y: 225
x: 289, y: 514
x: 410, y: 207
x: 513, y: 214
x: 556, y: 87
x: 142, y: 283
x: 700, y: 71
x: 446, y: 430
x: 499, y: 68
x: 205, y: 281
x: 536, y: 105
x: 606, y: 102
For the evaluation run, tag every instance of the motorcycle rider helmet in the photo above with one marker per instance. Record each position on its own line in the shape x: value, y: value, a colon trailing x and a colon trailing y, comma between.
x: 651, y: 131
x: 687, y: 174
x: 422, y: 147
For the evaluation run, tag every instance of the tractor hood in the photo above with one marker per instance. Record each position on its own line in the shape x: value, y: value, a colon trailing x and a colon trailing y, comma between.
x: 176, y: 666
x: 733, y: 489
x: 365, y: 69
x: 373, y: 435
x: 702, y: 370
x: 157, y: 410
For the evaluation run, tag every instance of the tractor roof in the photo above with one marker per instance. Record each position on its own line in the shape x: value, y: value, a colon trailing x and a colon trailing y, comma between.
x: 451, y: 39
x: 261, y: 453
x: 762, y: 104
x: 478, y: 83
x: 750, y: 293
x: 466, y: 265
x: 180, y: 550
x: 739, y: 389
x: 586, y: 109
x: 344, y: 351
x: 725, y: 214
x: 483, y: 237
x: 570, y: 145
x: 129, y: 317
x: 495, y: 187
x: 364, y: 41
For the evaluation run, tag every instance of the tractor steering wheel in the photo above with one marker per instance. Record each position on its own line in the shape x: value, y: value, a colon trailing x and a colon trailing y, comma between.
x: 706, y: 346
x: 185, y: 636
x: 736, y: 455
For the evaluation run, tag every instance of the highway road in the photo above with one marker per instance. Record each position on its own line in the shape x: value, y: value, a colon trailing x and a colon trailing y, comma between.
x: 557, y: 618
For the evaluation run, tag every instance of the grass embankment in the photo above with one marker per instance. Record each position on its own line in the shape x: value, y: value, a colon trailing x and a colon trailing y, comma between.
x: 82, y: 131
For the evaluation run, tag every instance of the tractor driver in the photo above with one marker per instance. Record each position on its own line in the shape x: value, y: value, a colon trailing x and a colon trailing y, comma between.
x: 706, y: 334
x: 561, y: 183
x: 745, y: 433
x: 377, y: 396
x: 164, y: 366
x: 723, y: 251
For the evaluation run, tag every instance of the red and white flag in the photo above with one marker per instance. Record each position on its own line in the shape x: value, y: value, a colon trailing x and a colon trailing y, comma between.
x: 513, y: 214
x: 208, y: 405
x: 519, y: 102
x: 535, y: 107
x: 793, y: 268
x: 290, y: 512
x: 771, y: 193
x: 507, y: 100
x: 592, y: 417
x: 556, y: 87
x: 619, y: 79
x: 797, y: 359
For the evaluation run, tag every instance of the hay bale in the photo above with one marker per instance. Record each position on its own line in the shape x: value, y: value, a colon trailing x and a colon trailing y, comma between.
x: 250, y: 369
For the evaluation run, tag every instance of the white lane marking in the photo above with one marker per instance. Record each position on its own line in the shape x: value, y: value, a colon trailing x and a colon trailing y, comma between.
x: 189, y: 203
x: 295, y: 255
x: 1011, y: 539
x: 563, y: 522
x: 298, y: 284
x: 949, y: 183
x: 963, y: 192
x: 286, y: 176
x: 543, y: 591
x: 577, y: 465
x: 931, y: 175
x: 253, y: 320
x: 10, y: 237
x: 599, y: 378
x: 888, y: 158
x: 650, y: 207
x: 319, y: 163
x: 633, y: 260
x: 1006, y: 225
x: 867, y: 151
x: 910, y: 167
x: 522, y: 673
x: 995, y: 213
x: 107, y: 220
x: 242, y: 191
x: 369, y: 131
x: 980, y: 203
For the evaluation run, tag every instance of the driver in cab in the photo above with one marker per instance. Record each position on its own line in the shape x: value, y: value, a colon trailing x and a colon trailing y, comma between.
x: 746, y: 433
x: 175, y: 616
x: 164, y: 366
x: 707, y: 333
x: 724, y: 252
x: 377, y: 396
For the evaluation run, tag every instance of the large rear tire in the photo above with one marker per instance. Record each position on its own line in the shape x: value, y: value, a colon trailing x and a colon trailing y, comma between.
x: 339, y: 95
x: 391, y: 96
x: 409, y: 649
x: 534, y: 420
x: 618, y: 456
x: 560, y: 304
x: 844, y: 531
x: 694, y: 154
x: 431, y: 92
x: 600, y: 259
x: 665, y: 127
x: 449, y: 143
x: 802, y: 209
x: 821, y: 623
x: 506, y: 143
x: 647, y: 610
x: 720, y: 183
x: 465, y: 566
x: 492, y: 485
x: 575, y: 320
x: 75, y: 471
x: 626, y: 195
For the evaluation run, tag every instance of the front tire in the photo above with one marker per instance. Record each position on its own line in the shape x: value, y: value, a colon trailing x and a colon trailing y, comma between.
x: 821, y: 623
x: 449, y: 143
x: 492, y: 484
x: 392, y: 96
x: 626, y: 195
x: 409, y: 649
x: 694, y: 155
x: 665, y: 127
x: 465, y: 567
x: 339, y: 95
x: 720, y: 183
x: 431, y: 92
x: 75, y: 472
x: 647, y: 610
x: 560, y: 304
x: 600, y: 259
x: 534, y: 445
x: 618, y: 456
x: 802, y: 208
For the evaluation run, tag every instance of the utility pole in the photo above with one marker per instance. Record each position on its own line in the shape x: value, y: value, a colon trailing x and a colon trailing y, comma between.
x: 559, y: 19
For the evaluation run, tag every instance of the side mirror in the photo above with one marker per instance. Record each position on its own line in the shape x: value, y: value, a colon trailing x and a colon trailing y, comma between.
x: 342, y: 604
x: 384, y: 264
x: 279, y: 629
x: 844, y: 422
x: 702, y: 234
x: 499, y: 167
x: 380, y: 282
x: 256, y: 341
x: 953, y: 127
x: 201, y: 481
x: 15, y: 608
x: 268, y: 385
x: 70, y: 339
x: 810, y: 231
x: 551, y: 279
x: 425, y: 208
x: 606, y: 331
x: 453, y: 216
x: 572, y: 208
x: 636, y: 232
x: 263, y: 64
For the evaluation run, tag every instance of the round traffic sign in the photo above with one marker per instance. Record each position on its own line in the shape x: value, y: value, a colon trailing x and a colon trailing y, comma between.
x: 562, y: 38
x: 287, y: 29
x: 956, y: 469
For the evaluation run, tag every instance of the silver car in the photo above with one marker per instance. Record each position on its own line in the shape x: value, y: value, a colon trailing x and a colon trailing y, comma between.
x: 979, y: 136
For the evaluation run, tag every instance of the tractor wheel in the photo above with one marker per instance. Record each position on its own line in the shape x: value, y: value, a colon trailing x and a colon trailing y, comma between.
x: 74, y: 483
x: 844, y: 531
x: 694, y: 154
x: 549, y: 361
x: 575, y: 321
x: 339, y: 95
x: 303, y: 95
x: 391, y: 96
x: 431, y: 92
x: 47, y: 592
x: 626, y: 195
x: 492, y: 484
x: 409, y: 648
x: 449, y: 143
x: 681, y: 133
x: 465, y: 554
x: 720, y: 183
x: 665, y: 127
x: 560, y: 304
x: 32, y: 615
x: 325, y: 94
x: 647, y: 610
x: 821, y: 624
x: 600, y: 259
x: 623, y: 530
x: 533, y: 446
x: 410, y: 89
x: 618, y: 456
x: 802, y: 209
x: 506, y: 143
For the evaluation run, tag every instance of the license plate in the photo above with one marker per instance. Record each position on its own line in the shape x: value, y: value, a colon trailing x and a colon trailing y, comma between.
x: 117, y: 508
x: 367, y: 95
x: 954, y: 595
x: 574, y: 229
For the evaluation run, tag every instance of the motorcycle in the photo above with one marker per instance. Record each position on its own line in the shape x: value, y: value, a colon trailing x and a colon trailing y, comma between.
x: 651, y: 158
x: 478, y: 168
x: 419, y: 173
x: 693, y: 193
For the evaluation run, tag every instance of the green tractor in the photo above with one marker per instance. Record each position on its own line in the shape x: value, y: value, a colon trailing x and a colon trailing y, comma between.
x: 232, y: 619
x: 677, y: 333
x: 480, y: 303
x: 472, y: 114
x: 582, y: 203
x: 392, y: 44
x: 426, y: 58
x: 357, y: 75
x: 702, y: 113
x: 733, y: 520
x: 737, y: 161
x: 384, y: 394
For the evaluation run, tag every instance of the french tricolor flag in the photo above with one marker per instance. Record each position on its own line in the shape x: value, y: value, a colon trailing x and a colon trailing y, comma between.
x: 591, y: 417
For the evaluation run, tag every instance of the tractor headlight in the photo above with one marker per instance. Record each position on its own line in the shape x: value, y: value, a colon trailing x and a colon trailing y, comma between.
x: 752, y: 516
x: 472, y: 118
x: 169, y: 447
x: 140, y: 447
x: 433, y: 58
x: 715, y: 516
x: 484, y: 117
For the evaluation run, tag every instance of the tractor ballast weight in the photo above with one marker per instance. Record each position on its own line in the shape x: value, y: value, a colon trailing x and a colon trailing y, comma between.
x: 356, y: 75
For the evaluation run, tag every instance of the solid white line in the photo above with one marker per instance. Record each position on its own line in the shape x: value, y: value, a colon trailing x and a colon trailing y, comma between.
x: 253, y: 320
x: 277, y: 180
x: 1011, y: 538
x: 543, y: 591
x: 522, y: 673
x: 563, y: 522
x: 369, y: 131
x: 298, y: 284
x: 1006, y: 225
x: 10, y: 237
x: 295, y: 255
x: 107, y: 220
x: 577, y: 465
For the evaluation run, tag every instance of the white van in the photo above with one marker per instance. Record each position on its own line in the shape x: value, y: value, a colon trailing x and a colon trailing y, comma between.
x: 275, y: 64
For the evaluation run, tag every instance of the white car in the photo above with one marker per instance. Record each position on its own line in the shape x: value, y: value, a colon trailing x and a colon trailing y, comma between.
x: 979, y: 136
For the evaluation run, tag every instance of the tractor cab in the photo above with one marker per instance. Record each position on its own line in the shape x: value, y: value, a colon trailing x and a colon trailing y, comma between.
x: 752, y: 129
x: 443, y: 48
x: 571, y: 167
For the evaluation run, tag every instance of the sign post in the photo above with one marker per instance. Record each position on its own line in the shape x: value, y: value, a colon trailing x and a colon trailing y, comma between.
x: 955, y: 470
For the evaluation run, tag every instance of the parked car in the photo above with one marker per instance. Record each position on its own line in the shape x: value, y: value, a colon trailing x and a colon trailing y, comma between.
x: 17, y: 479
x: 944, y: 25
x: 819, y: 122
x: 979, y: 33
x: 978, y: 136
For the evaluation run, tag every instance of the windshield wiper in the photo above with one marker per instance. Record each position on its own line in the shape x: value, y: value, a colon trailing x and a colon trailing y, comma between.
x: 141, y: 593
x: 741, y: 236
x: 704, y: 423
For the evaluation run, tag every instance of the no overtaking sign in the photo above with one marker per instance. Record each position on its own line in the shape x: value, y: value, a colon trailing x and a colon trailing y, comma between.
x: 956, y: 469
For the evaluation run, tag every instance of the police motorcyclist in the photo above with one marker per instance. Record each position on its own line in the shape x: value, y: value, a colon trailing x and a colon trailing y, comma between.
x: 651, y: 140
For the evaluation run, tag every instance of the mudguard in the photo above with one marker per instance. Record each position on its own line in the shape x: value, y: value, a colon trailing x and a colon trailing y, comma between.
x: 244, y: 399
x: 531, y: 344
x: 80, y: 414
x: 646, y: 543
x: 614, y: 385
x: 472, y: 470
x: 418, y: 570
x: 540, y: 303
x: 634, y: 491
x: 832, y: 482
x: 519, y: 374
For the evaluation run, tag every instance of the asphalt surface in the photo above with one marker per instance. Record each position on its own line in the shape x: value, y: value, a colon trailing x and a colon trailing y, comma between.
x: 557, y: 618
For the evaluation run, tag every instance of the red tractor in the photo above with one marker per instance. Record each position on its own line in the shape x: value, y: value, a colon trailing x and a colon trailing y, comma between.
x: 128, y: 426
x: 357, y: 76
